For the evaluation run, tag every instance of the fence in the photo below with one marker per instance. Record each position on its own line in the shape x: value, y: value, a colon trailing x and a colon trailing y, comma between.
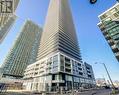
x: 3, y: 88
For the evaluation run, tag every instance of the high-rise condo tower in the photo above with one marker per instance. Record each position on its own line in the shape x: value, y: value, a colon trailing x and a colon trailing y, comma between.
x: 59, y: 62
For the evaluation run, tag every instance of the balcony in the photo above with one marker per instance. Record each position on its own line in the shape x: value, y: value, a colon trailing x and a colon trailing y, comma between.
x: 117, y: 54
x: 115, y: 49
x: 67, y: 70
x: 111, y: 42
x: 105, y: 33
x: 107, y: 37
x: 68, y: 66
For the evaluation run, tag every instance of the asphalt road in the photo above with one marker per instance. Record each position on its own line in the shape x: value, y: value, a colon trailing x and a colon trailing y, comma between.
x: 96, y: 92
x: 92, y: 92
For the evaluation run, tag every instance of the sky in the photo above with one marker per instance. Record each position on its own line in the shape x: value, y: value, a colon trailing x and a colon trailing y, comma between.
x: 93, y: 45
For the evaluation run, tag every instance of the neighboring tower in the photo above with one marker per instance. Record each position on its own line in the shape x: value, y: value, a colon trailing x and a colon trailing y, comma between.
x: 4, y: 29
x: 109, y: 25
x: 7, y: 20
x: 24, y: 50
x: 59, y: 62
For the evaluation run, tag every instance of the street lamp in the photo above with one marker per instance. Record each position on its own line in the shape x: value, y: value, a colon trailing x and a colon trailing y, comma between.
x: 107, y: 74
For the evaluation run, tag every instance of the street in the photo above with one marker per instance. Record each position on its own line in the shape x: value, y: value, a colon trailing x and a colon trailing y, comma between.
x: 92, y: 92
x: 96, y: 92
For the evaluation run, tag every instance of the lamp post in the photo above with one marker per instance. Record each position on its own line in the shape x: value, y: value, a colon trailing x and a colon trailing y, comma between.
x: 107, y: 74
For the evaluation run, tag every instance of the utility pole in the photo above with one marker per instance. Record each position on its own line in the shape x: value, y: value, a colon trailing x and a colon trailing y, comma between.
x: 108, y: 74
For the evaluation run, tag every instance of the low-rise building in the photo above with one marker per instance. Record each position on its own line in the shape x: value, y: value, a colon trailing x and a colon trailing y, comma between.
x: 43, y: 75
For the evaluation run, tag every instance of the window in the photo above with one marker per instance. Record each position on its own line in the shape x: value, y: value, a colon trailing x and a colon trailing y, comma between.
x: 62, y: 68
x: 82, y: 80
x: 56, y: 77
x: 42, y: 62
x: 80, y: 68
x: 116, y: 15
x: 55, y: 61
x: 67, y: 70
x: 79, y: 64
x: 48, y: 78
x: 55, y: 58
x: 36, y: 69
x: 55, y: 64
x: 36, y: 73
x: 60, y: 77
x: 89, y: 76
x: 113, y: 10
x: 76, y: 79
x: 80, y: 73
x: 68, y: 78
x: 67, y: 65
x: 49, y: 61
x: 67, y: 60
x: 87, y: 68
x: 88, y: 72
x: 103, y: 16
x: 73, y: 62
x: 62, y: 60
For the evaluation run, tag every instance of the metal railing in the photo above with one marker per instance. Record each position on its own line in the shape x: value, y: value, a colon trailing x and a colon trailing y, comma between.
x: 3, y: 88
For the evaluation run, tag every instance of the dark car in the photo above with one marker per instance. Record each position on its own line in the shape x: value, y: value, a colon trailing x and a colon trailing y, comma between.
x: 106, y: 87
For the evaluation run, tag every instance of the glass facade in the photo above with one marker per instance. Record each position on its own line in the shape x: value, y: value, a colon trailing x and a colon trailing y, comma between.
x: 59, y: 33
x: 24, y: 50
x: 59, y: 49
x: 55, y: 64
x: 7, y: 21
x: 58, y: 71
x: 6, y: 28
x: 109, y: 25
